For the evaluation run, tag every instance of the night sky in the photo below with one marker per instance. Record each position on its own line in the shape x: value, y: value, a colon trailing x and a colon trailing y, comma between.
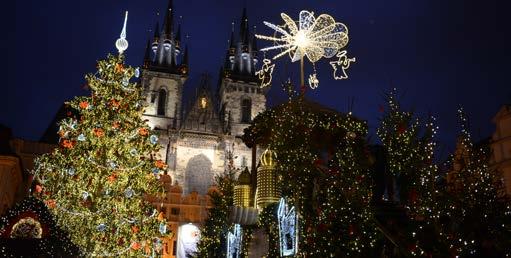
x: 438, y: 53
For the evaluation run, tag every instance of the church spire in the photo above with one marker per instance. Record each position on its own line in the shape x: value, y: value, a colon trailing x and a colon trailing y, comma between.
x: 243, y: 24
x: 241, y: 57
x: 232, y: 44
x: 156, y: 31
x: 169, y: 20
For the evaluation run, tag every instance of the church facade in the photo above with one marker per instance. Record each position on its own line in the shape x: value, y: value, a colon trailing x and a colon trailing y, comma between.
x: 195, y: 138
x: 198, y: 134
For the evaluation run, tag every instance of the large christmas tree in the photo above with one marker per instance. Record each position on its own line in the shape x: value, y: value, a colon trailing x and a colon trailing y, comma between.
x: 106, y: 164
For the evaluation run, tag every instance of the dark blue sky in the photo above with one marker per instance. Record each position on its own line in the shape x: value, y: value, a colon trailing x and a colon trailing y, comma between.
x: 438, y: 53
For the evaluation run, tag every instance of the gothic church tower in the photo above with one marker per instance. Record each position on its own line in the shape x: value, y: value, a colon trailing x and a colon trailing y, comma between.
x: 241, y: 98
x: 163, y: 76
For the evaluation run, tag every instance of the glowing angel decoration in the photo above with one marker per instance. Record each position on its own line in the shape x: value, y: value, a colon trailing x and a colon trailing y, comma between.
x: 311, y: 37
x: 265, y: 74
x: 340, y: 66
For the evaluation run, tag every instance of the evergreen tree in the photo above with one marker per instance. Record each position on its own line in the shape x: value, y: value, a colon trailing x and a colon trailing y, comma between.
x: 399, y: 133
x: 106, y: 165
x: 410, y: 147
x: 214, y: 232
x: 322, y: 163
x: 478, y: 214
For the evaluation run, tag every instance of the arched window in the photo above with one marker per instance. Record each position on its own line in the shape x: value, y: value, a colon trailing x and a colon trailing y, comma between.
x: 162, y: 101
x: 246, y: 110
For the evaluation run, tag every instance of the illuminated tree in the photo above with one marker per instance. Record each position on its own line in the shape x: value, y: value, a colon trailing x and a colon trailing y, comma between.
x: 323, y: 165
x: 478, y: 220
x: 96, y: 181
x: 399, y: 133
x: 214, y: 232
x: 409, y: 148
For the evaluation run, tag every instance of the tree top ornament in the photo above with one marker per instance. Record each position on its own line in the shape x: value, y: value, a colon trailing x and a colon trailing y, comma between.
x: 122, y: 43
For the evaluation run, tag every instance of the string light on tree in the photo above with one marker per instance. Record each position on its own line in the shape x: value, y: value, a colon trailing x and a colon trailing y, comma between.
x: 310, y: 37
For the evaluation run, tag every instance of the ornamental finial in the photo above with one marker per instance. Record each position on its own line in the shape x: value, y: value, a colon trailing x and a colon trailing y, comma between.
x: 122, y: 43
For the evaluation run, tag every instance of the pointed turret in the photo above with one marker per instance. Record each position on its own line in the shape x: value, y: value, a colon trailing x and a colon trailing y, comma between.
x: 156, y: 37
x: 245, y: 42
x: 184, y: 62
x: 156, y: 31
x: 243, y: 24
x: 169, y: 19
x: 178, y: 37
x: 232, y: 44
x: 147, y: 55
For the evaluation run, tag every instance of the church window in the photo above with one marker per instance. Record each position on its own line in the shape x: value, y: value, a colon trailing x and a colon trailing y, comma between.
x: 246, y: 89
x: 246, y: 110
x: 162, y: 99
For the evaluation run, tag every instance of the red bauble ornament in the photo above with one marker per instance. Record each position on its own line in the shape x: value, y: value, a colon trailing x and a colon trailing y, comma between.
x: 351, y: 229
x: 38, y: 188
x: 318, y: 162
x: 322, y: 227
x: 413, y: 195
x: 401, y: 128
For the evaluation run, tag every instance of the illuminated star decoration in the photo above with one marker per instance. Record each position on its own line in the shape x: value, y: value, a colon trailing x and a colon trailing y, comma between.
x: 341, y: 65
x: 265, y: 73
x: 312, y: 37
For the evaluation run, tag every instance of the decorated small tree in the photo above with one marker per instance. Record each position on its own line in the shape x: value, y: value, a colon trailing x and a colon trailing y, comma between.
x: 323, y: 166
x: 106, y: 165
x: 410, y: 147
x: 214, y: 232
x: 399, y: 134
x: 478, y: 215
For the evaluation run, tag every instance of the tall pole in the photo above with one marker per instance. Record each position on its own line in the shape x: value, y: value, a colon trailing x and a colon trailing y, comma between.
x: 302, y: 78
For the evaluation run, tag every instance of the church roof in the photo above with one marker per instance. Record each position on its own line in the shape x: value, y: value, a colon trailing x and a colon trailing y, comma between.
x: 241, y: 56
x: 166, y: 47
x: 202, y: 115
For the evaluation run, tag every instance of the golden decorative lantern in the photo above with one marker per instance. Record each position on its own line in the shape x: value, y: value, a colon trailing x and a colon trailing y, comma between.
x: 242, y: 189
x: 267, y: 187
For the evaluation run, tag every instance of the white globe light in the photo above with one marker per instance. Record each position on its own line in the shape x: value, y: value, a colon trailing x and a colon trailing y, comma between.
x: 121, y: 44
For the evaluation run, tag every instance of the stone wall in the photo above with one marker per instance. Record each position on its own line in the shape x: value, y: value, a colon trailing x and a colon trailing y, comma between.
x: 153, y: 82
x: 232, y: 94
